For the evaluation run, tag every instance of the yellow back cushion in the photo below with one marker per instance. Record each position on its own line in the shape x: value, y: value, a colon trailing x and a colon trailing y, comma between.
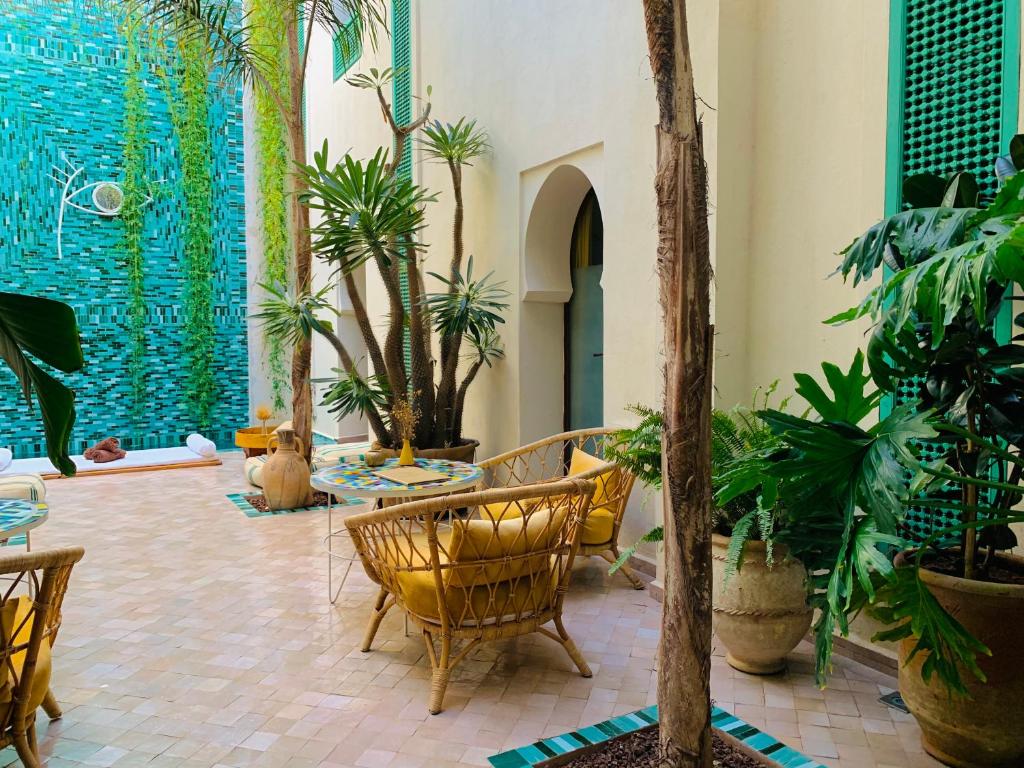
x: 607, y: 482
x: 17, y: 631
x: 509, y: 541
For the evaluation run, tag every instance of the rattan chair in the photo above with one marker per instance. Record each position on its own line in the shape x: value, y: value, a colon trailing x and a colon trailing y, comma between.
x: 33, y: 588
x: 464, y: 576
x: 556, y: 458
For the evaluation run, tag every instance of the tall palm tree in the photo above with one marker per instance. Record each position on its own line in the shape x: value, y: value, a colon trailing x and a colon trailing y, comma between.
x: 684, y: 687
x: 227, y: 33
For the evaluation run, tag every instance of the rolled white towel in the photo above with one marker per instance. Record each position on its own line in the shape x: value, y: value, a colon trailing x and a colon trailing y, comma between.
x: 201, y: 446
x: 6, y: 457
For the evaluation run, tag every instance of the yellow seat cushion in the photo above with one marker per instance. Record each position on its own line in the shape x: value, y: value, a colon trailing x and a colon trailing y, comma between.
x: 492, y: 573
x: 12, y: 622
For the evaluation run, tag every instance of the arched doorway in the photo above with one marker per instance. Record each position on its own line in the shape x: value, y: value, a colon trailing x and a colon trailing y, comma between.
x: 584, y: 320
x: 561, y: 199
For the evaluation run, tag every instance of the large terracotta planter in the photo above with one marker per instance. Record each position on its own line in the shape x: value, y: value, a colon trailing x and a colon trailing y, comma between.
x: 286, y: 473
x: 761, y: 613
x: 987, y: 729
x: 465, y: 451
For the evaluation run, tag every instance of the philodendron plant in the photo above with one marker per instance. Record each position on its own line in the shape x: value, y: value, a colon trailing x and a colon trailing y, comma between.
x: 938, y: 355
x: 434, y: 343
x: 33, y: 328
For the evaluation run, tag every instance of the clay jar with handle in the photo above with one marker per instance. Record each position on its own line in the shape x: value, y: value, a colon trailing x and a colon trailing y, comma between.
x: 286, y: 473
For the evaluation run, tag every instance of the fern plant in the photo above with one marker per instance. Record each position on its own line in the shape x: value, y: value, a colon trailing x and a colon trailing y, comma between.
x: 746, y: 498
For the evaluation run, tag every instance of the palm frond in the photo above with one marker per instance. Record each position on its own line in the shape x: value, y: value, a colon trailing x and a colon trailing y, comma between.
x: 456, y: 143
x: 353, y: 393
x: 469, y: 307
x: 292, y: 318
x: 367, y: 212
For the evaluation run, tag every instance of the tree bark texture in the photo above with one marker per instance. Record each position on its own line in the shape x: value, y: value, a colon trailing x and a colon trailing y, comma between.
x: 685, y: 270
x: 302, y: 396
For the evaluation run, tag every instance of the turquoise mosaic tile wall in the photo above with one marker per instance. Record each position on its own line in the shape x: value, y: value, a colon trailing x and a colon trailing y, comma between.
x: 61, y: 99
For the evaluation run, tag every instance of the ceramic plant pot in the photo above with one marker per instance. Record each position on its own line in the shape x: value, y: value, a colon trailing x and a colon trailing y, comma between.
x: 982, y: 730
x: 464, y: 451
x: 761, y: 613
x: 286, y: 473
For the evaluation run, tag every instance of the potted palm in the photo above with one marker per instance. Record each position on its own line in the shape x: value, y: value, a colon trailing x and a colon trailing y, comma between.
x: 370, y: 216
x: 759, y: 598
x: 937, y: 479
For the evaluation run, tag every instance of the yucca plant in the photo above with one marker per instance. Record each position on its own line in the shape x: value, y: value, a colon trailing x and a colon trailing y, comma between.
x: 370, y: 216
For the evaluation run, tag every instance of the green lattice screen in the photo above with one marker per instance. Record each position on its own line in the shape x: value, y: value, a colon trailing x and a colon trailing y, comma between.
x: 953, y: 77
x: 401, y: 96
x: 348, y: 47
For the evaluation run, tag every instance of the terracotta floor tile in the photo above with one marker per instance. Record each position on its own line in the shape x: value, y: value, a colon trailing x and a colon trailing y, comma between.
x: 195, y: 637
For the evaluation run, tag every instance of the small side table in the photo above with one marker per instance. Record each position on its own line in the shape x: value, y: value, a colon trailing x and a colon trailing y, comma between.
x: 18, y: 516
x: 357, y: 479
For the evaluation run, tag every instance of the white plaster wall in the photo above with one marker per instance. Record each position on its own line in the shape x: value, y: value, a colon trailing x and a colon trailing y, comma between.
x: 814, y: 170
x: 793, y: 102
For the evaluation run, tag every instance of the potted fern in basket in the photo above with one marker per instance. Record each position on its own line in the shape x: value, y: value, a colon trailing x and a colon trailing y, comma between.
x: 760, y: 591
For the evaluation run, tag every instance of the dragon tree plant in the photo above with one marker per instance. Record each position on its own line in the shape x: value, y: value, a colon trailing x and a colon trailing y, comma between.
x: 949, y: 450
x: 229, y: 35
x: 372, y: 217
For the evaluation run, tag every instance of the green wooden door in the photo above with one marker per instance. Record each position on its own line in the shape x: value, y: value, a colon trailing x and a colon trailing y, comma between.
x: 584, y: 322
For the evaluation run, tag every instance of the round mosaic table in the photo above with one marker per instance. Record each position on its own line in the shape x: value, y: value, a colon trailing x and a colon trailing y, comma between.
x: 354, y: 478
x: 18, y: 516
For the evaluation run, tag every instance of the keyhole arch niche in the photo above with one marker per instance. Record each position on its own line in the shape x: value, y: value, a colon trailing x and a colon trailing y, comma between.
x: 551, y: 196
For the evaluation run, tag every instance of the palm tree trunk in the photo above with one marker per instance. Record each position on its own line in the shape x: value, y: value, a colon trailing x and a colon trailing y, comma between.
x: 685, y: 268
x: 446, y: 407
x: 302, y: 396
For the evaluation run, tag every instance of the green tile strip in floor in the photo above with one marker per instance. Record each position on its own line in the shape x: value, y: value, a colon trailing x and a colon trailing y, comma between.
x: 545, y: 749
x: 238, y: 499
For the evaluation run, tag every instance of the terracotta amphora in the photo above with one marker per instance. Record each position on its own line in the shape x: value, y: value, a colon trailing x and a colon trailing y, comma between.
x: 286, y: 473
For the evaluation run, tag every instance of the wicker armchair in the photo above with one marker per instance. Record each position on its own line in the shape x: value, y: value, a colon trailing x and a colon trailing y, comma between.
x: 34, y: 585
x: 574, y: 455
x: 463, y: 576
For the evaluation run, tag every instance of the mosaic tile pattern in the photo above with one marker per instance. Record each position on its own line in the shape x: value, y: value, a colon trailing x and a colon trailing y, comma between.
x: 61, y: 97
x: 358, y: 476
x: 240, y: 501
x: 18, y: 514
x: 194, y: 637
x: 545, y: 749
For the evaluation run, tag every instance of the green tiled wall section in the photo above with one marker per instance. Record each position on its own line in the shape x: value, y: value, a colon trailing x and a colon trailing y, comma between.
x: 61, y: 97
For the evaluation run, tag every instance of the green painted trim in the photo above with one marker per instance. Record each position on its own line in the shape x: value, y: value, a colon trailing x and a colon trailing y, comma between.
x: 401, y: 99
x: 894, y: 114
x: 1008, y: 120
x: 894, y: 130
x: 348, y: 47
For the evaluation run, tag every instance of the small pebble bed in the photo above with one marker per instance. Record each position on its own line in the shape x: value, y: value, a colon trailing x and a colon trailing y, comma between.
x: 640, y: 750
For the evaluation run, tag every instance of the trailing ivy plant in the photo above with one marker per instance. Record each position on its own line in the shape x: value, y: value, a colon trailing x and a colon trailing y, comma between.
x: 268, y: 36
x: 191, y: 121
x: 134, y: 185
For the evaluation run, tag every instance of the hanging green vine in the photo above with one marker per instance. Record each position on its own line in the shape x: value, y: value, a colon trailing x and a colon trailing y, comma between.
x: 191, y: 117
x: 135, y: 131
x: 268, y: 37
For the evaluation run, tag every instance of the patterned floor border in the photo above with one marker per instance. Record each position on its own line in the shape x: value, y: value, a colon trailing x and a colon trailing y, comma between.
x: 545, y: 749
x: 238, y: 499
